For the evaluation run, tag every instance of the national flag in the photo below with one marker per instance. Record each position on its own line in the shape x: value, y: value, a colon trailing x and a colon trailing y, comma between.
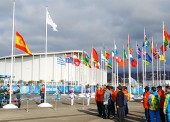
x: 115, y: 50
x: 124, y: 54
x: 138, y: 51
x: 129, y: 46
x: 76, y: 60
x: 166, y: 35
x: 113, y: 55
x: 21, y: 44
x: 120, y: 62
x: 109, y: 64
x: 152, y: 48
x: 161, y: 56
x: 68, y: 59
x: 85, y: 59
x: 133, y: 62
x: 97, y: 65
x: 107, y: 55
x: 163, y: 48
x: 156, y: 55
x: 60, y: 60
x: 147, y: 63
x: 95, y: 55
x: 148, y: 58
x: 146, y: 43
x: 50, y: 22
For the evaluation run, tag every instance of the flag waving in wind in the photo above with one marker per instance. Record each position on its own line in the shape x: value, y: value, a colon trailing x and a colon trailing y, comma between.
x: 50, y: 22
x: 20, y: 44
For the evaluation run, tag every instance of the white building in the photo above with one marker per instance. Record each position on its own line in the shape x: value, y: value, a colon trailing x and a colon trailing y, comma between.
x: 35, y: 68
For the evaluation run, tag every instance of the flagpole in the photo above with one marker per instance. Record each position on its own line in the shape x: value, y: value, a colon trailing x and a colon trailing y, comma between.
x: 45, y: 104
x: 145, y: 59
x: 123, y: 68
x: 129, y: 69
x: 137, y: 67
x: 159, y: 73
x: 101, y: 68
x: 164, y: 52
x: 153, y: 84
x: 157, y: 65
x: 10, y: 105
x: 112, y: 69
x: 115, y: 68
x: 117, y: 74
x: 143, y: 69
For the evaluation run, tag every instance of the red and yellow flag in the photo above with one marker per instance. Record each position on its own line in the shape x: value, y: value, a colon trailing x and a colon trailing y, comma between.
x: 20, y: 44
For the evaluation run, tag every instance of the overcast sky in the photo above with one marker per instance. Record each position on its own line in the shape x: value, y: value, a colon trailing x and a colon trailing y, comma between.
x: 83, y: 24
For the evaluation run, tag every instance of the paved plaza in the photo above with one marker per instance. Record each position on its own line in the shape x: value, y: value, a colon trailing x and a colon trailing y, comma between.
x: 62, y: 111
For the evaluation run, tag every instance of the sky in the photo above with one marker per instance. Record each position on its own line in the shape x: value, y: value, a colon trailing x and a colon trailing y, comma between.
x: 83, y: 24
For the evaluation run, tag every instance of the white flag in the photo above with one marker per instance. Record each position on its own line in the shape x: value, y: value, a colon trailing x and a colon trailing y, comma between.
x: 50, y: 21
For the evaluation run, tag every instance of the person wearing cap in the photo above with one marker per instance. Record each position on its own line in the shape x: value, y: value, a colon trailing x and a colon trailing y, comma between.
x: 120, y: 104
x: 88, y: 95
x: 166, y: 107
x: 18, y: 96
x: 145, y: 103
x: 161, y: 104
x: 42, y: 93
x: 99, y: 94
x: 72, y: 96
x: 127, y: 97
x: 153, y: 101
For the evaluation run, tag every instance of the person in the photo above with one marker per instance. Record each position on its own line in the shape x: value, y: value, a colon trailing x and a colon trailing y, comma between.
x: 145, y: 103
x: 127, y: 99
x: 72, y: 96
x: 88, y: 95
x: 18, y: 95
x: 1, y: 95
x: 112, y: 107
x: 7, y: 92
x: 42, y: 92
x: 166, y: 107
x: 120, y: 104
x: 153, y: 101
x: 98, y: 98
x: 107, y: 102
x: 161, y: 104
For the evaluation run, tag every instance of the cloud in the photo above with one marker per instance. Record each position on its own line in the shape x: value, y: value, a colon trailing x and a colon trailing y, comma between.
x: 83, y: 23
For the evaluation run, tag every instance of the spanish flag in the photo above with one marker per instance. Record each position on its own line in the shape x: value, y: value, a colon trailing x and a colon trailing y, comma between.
x: 20, y: 44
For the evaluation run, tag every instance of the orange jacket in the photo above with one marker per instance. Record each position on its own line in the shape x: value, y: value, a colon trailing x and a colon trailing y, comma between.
x: 126, y: 93
x: 162, y: 96
x: 114, y: 95
x: 99, y: 95
x: 42, y: 90
x: 145, y: 99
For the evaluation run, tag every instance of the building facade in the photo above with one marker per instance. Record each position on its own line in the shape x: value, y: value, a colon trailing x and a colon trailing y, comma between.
x: 36, y: 68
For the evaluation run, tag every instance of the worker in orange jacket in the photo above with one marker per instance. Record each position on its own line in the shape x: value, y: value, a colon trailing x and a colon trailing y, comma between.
x: 42, y: 92
x: 145, y: 103
x: 161, y: 104
x: 127, y: 95
x: 99, y: 99
x: 112, y: 101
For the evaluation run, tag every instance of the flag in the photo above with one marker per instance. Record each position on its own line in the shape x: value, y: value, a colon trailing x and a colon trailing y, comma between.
x: 161, y: 56
x: 97, y: 65
x: 109, y: 64
x: 95, y: 55
x: 166, y: 35
x: 85, y: 59
x: 113, y: 55
x: 124, y: 54
x: 69, y: 59
x: 146, y: 43
x: 152, y: 48
x: 133, y: 62
x: 21, y: 44
x: 138, y: 51
x: 60, y: 60
x: 50, y: 22
x: 163, y: 48
x: 76, y: 60
x: 148, y: 58
x: 129, y: 46
x: 115, y: 50
x: 120, y: 62
x: 147, y: 63
x: 156, y: 54
x: 107, y: 55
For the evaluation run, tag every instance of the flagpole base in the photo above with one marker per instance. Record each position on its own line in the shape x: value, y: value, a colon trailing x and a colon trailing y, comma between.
x: 10, y: 106
x: 45, y: 105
